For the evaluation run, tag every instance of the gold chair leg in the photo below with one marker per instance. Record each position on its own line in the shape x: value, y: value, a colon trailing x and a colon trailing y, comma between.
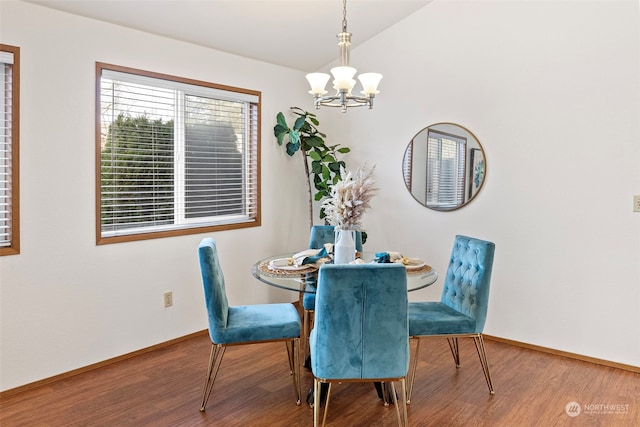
x: 413, y: 369
x: 395, y: 401
x: 306, y: 330
x: 296, y: 365
x: 326, y: 404
x: 316, y: 402
x: 403, y: 382
x: 455, y: 350
x: 389, y: 387
x: 405, y: 416
x: 317, y: 387
x: 479, y: 342
x: 289, y: 356
x: 215, y: 359
x: 293, y: 353
x: 385, y: 393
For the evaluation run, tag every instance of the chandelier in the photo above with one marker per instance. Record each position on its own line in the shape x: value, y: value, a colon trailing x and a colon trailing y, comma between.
x: 343, y: 81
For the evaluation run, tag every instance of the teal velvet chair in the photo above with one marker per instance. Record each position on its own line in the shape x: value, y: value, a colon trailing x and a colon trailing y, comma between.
x: 462, y: 309
x: 243, y: 324
x: 361, y: 330
x: 318, y: 237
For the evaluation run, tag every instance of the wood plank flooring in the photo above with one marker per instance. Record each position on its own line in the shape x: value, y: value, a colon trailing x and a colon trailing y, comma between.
x: 254, y: 388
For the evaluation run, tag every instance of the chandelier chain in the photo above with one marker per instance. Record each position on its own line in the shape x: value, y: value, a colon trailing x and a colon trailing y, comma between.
x: 344, y: 16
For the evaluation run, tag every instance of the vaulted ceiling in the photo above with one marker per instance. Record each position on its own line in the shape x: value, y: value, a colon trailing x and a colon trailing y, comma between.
x: 298, y: 34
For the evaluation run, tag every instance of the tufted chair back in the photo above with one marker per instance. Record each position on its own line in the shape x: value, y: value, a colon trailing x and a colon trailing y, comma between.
x: 214, y: 290
x: 466, y: 285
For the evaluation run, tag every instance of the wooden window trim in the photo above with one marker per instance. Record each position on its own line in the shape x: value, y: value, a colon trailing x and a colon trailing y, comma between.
x: 14, y: 247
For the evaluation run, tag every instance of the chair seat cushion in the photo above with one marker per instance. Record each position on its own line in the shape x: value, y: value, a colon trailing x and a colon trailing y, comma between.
x: 435, y: 318
x: 259, y: 322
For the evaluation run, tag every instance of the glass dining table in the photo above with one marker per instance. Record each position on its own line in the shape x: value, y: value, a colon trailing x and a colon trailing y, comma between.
x: 296, y: 278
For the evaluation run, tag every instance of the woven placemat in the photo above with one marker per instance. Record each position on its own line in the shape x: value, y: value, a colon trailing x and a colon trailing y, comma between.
x: 276, y: 272
x: 425, y: 268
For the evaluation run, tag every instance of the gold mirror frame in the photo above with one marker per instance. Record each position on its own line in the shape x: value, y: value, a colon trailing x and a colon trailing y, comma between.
x: 444, y: 166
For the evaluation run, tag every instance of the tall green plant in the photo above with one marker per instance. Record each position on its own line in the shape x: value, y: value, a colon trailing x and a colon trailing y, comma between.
x: 320, y: 160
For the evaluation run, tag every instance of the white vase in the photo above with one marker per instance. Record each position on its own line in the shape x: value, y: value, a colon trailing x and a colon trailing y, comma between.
x: 344, y: 250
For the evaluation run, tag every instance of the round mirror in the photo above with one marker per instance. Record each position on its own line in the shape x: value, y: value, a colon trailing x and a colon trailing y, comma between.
x: 444, y: 166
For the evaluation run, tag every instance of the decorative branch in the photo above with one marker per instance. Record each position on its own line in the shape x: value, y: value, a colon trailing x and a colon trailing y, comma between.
x: 350, y: 198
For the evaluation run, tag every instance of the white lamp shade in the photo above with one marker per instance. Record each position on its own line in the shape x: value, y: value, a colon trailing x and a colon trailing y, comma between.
x: 370, y: 83
x: 318, y: 81
x: 343, y: 77
x: 352, y: 83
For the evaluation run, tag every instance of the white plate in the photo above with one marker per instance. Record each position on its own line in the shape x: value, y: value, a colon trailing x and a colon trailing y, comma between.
x: 283, y: 264
x: 414, y: 264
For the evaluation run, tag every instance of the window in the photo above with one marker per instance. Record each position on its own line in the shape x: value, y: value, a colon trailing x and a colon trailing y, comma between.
x: 9, y: 153
x: 175, y: 156
x: 445, y: 169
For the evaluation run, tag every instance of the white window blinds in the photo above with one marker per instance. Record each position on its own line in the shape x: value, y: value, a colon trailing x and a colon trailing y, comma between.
x: 9, y: 127
x: 406, y: 166
x: 175, y: 155
x: 445, y: 169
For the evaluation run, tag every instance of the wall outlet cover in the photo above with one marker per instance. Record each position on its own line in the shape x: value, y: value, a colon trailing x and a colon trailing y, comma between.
x: 168, y: 299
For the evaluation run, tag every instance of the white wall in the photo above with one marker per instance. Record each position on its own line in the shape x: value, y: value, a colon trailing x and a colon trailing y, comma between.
x: 551, y: 90
x: 65, y: 302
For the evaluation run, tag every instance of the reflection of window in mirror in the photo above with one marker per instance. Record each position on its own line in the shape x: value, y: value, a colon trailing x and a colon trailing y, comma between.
x: 406, y: 167
x: 445, y: 183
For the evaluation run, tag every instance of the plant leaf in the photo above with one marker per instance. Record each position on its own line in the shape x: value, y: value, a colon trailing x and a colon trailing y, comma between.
x: 316, y: 168
x: 281, y: 120
x: 314, y: 141
x: 278, y: 129
x: 306, y: 128
x: 335, y: 167
x: 300, y: 121
x: 314, y: 155
x: 329, y: 158
x: 294, y: 136
x: 292, y: 148
x: 326, y: 173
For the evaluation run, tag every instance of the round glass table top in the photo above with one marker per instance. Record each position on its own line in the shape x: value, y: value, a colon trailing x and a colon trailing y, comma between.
x: 295, y: 278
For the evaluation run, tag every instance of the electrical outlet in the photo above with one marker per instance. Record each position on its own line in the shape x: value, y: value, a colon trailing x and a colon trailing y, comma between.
x: 636, y: 203
x: 168, y: 299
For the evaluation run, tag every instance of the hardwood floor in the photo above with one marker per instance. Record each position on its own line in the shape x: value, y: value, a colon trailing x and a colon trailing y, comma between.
x: 163, y: 388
